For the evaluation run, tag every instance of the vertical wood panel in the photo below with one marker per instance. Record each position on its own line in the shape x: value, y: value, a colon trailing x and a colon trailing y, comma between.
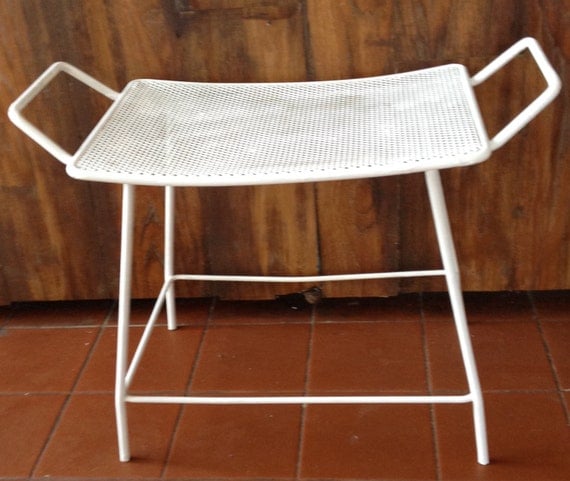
x: 249, y: 230
x: 261, y: 230
x: 357, y: 221
x: 554, y: 250
x: 51, y: 227
x: 505, y: 211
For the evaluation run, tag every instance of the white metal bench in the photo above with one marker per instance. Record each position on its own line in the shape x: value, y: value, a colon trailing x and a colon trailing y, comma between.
x: 187, y: 134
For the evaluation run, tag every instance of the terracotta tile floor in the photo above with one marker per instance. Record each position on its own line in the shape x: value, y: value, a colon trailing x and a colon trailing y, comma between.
x: 56, y: 381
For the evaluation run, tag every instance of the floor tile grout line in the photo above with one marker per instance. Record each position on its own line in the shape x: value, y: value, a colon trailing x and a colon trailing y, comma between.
x: 501, y: 391
x: 113, y: 308
x: 198, y: 355
x: 168, y: 453
x: 551, y: 363
x: 428, y: 374
x: 69, y: 395
x: 300, y: 442
x: 299, y: 323
x: 53, y: 327
x: 186, y: 391
x: 140, y: 392
x: 259, y: 323
x: 521, y: 391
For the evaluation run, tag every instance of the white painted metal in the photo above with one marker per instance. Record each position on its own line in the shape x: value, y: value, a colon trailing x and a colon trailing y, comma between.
x: 169, y: 249
x: 320, y: 278
x: 15, y: 109
x: 449, y: 259
x: 451, y: 272
x: 147, y: 332
x: 169, y: 282
x: 537, y: 105
x: 123, y: 320
x: 223, y: 400
x: 190, y: 133
x: 197, y: 134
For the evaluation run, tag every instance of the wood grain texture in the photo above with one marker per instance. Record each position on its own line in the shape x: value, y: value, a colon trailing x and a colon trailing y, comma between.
x: 59, y: 238
x: 358, y: 221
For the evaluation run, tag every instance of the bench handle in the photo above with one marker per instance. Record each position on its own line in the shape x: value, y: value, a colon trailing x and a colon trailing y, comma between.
x: 538, y: 104
x: 15, y: 109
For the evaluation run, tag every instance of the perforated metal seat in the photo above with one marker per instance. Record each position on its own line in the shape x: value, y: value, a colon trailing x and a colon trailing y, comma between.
x: 184, y: 133
x: 198, y: 134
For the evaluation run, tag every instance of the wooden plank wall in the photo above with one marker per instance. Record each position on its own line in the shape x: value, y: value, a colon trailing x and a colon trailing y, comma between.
x: 59, y: 237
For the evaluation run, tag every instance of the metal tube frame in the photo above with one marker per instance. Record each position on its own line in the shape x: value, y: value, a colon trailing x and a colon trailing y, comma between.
x: 125, y: 370
x: 450, y: 265
x: 127, y: 235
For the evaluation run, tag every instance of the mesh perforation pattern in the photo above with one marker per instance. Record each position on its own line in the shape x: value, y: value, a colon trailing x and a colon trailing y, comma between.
x: 186, y: 133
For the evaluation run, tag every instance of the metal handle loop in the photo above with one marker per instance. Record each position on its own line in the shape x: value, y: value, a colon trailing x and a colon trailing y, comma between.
x: 15, y: 109
x: 538, y: 104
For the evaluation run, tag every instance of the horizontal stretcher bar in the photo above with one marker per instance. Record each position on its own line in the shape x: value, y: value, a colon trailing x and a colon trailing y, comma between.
x: 460, y: 399
x: 239, y: 278
x: 322, y: 278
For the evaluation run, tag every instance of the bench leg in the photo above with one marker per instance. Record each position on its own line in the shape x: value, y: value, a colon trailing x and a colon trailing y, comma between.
x: 450, y: 265
x: 127, y: 228
x: 169, y: 213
